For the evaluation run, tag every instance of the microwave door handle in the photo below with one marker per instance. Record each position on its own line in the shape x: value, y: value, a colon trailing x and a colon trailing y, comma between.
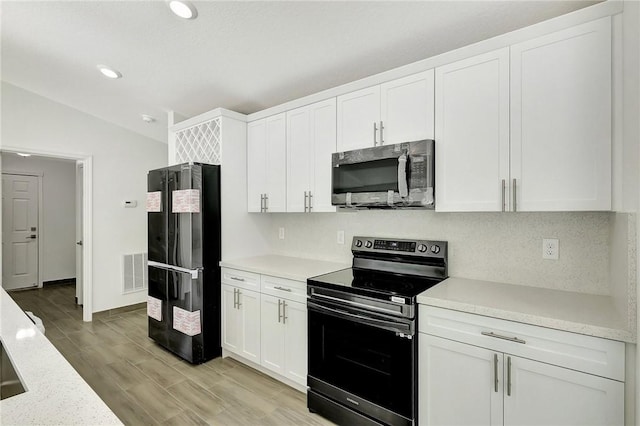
x: 403, y: 186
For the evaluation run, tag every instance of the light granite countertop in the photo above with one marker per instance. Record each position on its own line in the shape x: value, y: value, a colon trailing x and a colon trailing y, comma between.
x: 55, y: 392
x: 293, y: 268
x: 581, y: 313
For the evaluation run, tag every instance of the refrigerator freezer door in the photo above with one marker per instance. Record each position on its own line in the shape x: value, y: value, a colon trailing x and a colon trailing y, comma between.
x: 185, y: 305
x: 158, y: 288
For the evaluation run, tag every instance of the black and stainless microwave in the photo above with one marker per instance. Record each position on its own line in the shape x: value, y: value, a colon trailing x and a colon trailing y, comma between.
x: 387, y: 176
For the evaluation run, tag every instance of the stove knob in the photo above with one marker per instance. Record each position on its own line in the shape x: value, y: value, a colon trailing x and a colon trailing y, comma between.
x: 368, y: 244
x: 422, y: 248
x: 435, y: 249
x: 358, y: 243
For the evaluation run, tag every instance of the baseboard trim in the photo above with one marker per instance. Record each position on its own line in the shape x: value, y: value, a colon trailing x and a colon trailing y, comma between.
x: 59, y: 282
x: 116, y: 311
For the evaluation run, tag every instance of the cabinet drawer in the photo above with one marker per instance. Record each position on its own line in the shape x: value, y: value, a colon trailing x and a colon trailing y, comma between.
x: 284, y: 288
x: 589, y: 354
x: 242, y: 279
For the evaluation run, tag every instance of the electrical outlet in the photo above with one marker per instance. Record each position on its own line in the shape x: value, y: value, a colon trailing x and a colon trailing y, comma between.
x: 340, y: 238
x: 281, y: 233
x: 550, y: 248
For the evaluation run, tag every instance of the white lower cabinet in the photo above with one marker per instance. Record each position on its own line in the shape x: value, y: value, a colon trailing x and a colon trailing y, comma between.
x: 544, y: 394
x: 241, y: 322
x: 264, y: 320
x: 455, y: 384
x: 483, y: 379
x: 284, y: 337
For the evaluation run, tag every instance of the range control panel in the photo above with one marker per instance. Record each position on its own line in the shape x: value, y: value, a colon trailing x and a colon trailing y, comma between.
x: 424, y: 248
x: 409, y: 246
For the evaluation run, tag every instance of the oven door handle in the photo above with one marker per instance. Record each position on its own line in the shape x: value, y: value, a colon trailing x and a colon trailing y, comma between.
x: 314, y: 293
x: 398, y: 327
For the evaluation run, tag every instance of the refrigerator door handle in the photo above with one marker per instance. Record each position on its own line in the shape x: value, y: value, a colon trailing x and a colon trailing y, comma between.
x: 194, y: 272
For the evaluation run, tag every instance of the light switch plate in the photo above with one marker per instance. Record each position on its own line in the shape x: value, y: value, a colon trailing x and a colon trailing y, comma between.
x: 340, y: 237
x: 281, y: 233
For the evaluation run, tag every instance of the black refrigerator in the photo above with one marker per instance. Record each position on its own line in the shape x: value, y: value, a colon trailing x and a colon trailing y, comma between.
x: 183, y: 306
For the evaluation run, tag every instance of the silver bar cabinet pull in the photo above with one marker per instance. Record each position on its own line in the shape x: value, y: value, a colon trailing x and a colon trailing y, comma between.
x: 266, y: 202
x: 495, y: 372
x: 282, y: 288
x: 508, y: 376
x: 381, y: 134
x: 503, y: 194
x: 261, y: 203
x: 514, y: 195
x: 235, y: 291
x: 279, y: 305
x: 284, y: 311
x: 310, y: 203
x: 498, y: 336
x: 239, y: 304
x: 375, y: 130
x: 237, y: 279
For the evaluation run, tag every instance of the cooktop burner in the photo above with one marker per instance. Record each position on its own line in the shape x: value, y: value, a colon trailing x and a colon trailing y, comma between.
x: 375, y: 283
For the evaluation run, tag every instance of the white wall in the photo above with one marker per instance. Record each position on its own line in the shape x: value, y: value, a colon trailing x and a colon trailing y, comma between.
x: 121, y: 160
x: 58, y: 233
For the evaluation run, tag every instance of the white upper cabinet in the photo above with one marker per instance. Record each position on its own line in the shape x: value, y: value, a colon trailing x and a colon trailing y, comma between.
x: 266, y: 164
x: 561, y: 119
x: 311, y: 139
x: 527, y: 128
x: 256, y: 165
x: 396, y: 111
x: 472, y: 133
x: 358, y: 119
x: 407, y: 108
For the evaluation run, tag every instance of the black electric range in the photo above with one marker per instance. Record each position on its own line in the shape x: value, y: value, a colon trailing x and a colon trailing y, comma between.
x: 362, y: 340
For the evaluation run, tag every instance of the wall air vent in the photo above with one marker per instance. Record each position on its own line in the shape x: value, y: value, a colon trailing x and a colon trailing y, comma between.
x: 134, y: 272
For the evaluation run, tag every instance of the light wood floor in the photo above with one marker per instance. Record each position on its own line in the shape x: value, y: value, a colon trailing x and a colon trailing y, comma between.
x: 146, y: 385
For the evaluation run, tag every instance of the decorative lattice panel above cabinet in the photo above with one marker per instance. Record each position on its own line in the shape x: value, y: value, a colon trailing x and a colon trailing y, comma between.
x: 201, y: 143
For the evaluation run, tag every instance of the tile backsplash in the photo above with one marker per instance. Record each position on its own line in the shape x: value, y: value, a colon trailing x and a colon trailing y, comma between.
x: 502, y: 247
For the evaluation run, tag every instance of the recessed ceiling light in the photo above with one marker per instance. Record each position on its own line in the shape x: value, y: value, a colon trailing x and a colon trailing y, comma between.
x: 22, y: 154
x: 147, y: 118
x: 109, y: 72
x: 183, y: 9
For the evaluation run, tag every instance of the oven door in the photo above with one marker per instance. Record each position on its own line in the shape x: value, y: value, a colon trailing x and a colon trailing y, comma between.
x: 364, y: 361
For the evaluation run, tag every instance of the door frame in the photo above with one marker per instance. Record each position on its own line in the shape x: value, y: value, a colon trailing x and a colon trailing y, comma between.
x: 87, y: 218
x: 39, y: 278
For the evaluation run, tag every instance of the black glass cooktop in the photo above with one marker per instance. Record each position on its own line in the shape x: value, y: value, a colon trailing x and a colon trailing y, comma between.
x: 374, y: 283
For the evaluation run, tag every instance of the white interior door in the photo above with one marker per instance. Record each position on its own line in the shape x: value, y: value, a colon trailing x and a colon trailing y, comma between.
x: 19, y: 231
x: 79, y: 246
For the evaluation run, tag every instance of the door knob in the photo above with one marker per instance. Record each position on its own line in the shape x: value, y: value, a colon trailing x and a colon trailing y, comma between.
x: 31, y: 237
x: 79, y: 243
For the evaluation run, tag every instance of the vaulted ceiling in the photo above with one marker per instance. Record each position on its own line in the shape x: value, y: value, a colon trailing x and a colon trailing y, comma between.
x: 243, y: 56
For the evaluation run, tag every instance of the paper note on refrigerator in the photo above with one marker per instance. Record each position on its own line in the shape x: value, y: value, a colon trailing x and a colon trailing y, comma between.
x: 154, y: 308
x: 154, y: 201
x: 186, y: 201
x: 186, y: 322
